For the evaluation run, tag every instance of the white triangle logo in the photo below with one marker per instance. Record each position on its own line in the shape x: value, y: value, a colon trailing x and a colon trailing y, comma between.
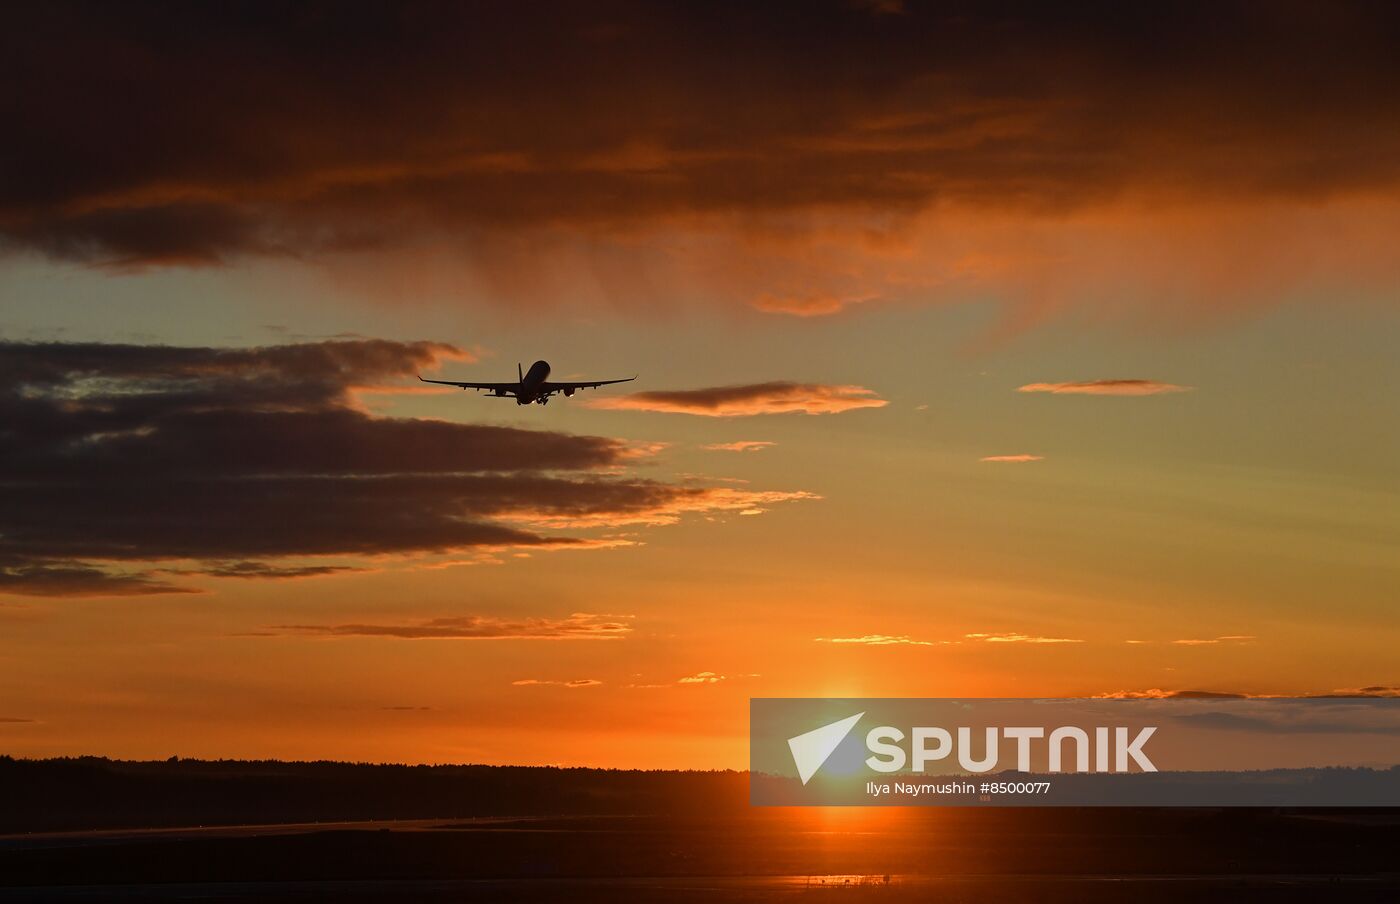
x: 810, y: 750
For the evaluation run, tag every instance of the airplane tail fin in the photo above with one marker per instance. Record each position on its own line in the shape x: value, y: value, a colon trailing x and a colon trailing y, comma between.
x: 519, y: 369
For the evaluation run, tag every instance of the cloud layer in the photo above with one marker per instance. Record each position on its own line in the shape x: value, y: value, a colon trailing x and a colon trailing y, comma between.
x: 573, y: 682
x: 579, y: 626
x: 743, y: 445
x: 244, y: 462
x: 156, y: 134
x: 1182, y: 160
x: 706, y: 678
x: 1156, y: 693
x: 880, y: 640
x: 748, y: 400
x: 1106, y: 387
x: 1013, y: 637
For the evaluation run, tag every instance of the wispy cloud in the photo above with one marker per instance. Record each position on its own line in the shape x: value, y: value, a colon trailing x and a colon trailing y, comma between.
x: 701, y: 678
x: 12, y: 720
x: 881, y: 640
x: 1106, y: 387
x: 743, y: 445
x: 1373, y: 690
x: 1157, y: 693
x: 1013, y: 637
x: 1227, y: 638
x: 744, y: 401
x: 708, y: 678
x: 663, y: 507
x: 575, y: 682
x: 265, y: 570
x: 579, y: 626
x: 54, y: 578
x: 820, y: 304
x: 1012, y: 459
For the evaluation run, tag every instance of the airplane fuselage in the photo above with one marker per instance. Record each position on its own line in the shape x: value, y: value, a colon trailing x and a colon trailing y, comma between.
x: 531, y: 381
x: 531, y: 387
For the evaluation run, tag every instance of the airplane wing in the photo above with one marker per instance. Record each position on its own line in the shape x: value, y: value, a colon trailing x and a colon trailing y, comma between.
x: 487, y: 387
x: 588, y: 384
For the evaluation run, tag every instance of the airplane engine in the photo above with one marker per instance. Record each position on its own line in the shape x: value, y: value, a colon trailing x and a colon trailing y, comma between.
x: 569, y: 392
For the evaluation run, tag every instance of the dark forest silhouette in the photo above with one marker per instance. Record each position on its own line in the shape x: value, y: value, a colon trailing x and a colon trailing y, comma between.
x: 96, y: 792
x: 594, y: 834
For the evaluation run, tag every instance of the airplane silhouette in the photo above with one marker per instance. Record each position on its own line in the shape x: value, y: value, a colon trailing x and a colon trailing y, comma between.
x: 533, y: 385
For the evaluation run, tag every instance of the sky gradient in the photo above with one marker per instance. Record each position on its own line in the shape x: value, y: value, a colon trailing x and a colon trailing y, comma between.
x: 981, y: 353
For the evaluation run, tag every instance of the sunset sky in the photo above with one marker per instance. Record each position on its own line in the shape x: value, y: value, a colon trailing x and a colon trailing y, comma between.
x: 980, y: 353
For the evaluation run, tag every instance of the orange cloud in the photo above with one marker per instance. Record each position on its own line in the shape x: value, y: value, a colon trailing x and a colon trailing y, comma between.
x: 1157, y: 693
x: 1013, y: 459
x: 880, y: 640
x: 743, y: 445
x: 1019, y: 638
x: 665, y: 506
x: 701, y: 678
x: 744, y: 401
x: 642, y: 449
x: 1229, y: 638
x: 1106, y: 387
x: 706, y: 678
x: 818, y: 305
x: 576, y: 682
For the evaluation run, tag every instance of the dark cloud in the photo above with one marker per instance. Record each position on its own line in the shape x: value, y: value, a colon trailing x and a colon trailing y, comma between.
x: 149, y: 133
x: 57, y: 578
x: 742, y: 401
x: 115, y: 457
x: 264, y: 570
x: 1374, y: 690
x: 579, y: 626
